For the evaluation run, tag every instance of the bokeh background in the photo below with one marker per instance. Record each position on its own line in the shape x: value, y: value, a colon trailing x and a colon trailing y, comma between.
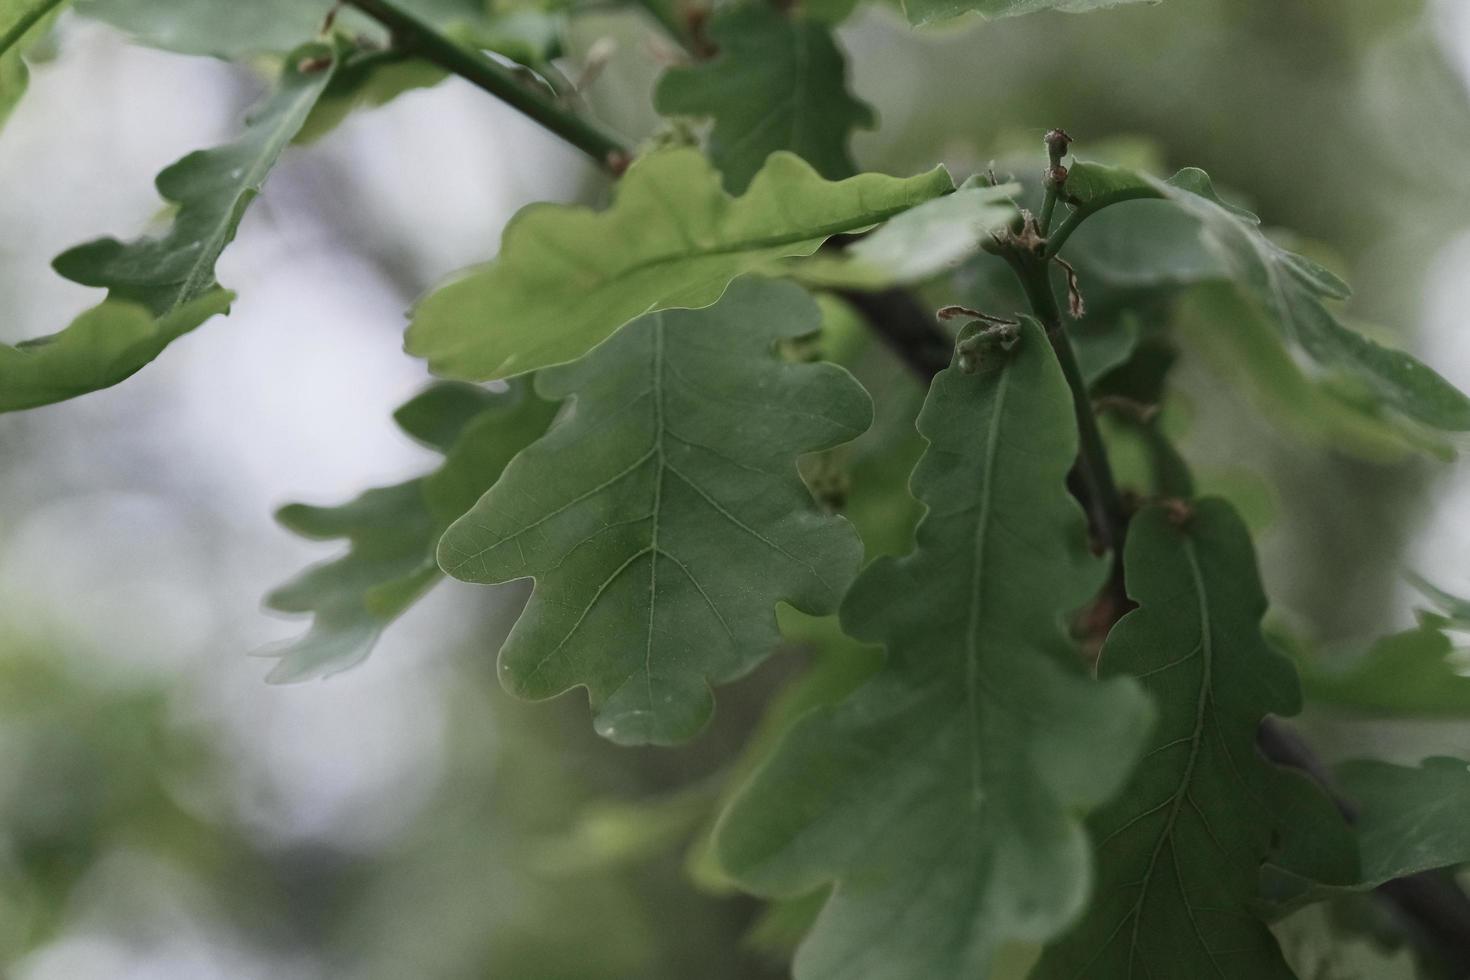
x: 165, y: 813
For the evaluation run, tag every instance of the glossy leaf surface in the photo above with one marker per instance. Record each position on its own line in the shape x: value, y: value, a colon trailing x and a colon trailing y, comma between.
x: 944, y: 796
x: 664, y: 517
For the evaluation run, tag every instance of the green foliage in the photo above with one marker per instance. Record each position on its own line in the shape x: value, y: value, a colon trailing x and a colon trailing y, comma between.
x: 778, y: 83
x: 568, y: 278
x: 393, y: 531
x: 162, y: 286
x: 929, y: 11
x: 1408, y: 820
x: 661, y: 536
x: 943, y: 796
x: 1180, y: 851
x: 22, y: 22
x: 1418, y: 673
x: 919, y: 244
x: 1289, y: 288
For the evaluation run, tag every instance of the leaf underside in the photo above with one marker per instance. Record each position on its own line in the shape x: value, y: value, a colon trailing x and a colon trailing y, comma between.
x: 664, y: 517
x: 392, y: 532
x: 567, y: 278
x: 161, y: 287
x: 1408, y: 819
x: 1180, y: 852
x: 944, y: 796
x: 779, y: 82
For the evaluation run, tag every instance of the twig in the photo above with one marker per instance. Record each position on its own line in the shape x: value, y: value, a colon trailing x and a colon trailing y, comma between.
x: 414, y: 35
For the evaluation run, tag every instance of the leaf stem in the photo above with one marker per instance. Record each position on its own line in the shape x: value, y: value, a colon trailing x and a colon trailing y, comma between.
x: 1110, y: 519
x: 414, y: 35
x: 33, y: 16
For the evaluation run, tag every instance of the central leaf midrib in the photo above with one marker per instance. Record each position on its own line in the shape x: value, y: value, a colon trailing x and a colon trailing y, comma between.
x: 1196, y: 740
x: 982, y: 524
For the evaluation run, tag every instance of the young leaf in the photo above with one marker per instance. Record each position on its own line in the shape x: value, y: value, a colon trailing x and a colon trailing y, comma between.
x: 944, y: 796
x: 393, y: 531
x: 161, y: 287
x: 1180, y: 852
x: 1408, y: 820
x: 21, y: 23
x: 929, y: 11
x: 919, y: 244
x: 567, y: 278
x: 661, y: 533
x: 779, y: 82
x: 1291, y: 289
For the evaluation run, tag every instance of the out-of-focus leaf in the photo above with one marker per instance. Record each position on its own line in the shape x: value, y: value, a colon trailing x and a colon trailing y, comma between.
x: 1237, y: 338
x: 393, y: 531
x: 661, y: 535
x: 21, y: 23
x: 568, y: 278
x: 1319, y: 947
x: 944, y: 796
x: 1408, y: 820
x: 161, y: 287
x: 929, y: 11
x: 779, y: 82
x: 237, y: 28
x: 919, y: 244
x: 1290, y: 289
x: 1418, y: 673
x: 1180, y: 852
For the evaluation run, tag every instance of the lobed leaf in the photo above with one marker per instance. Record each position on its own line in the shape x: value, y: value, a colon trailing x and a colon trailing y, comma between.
x: 944, y: 797
x: 1180, y: 852
x: 1289, y: 288
x: 567, y: 278
x: 392, y: 532
x: 664, y: 517
x: 929, y: 11
x: 779, y: 82
x: 161, y: 287
x: 22, y: 23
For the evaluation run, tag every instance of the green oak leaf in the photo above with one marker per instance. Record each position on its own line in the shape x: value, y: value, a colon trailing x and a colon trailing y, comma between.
x: 161, y: 287
x: 1288, y: 287
x: 779, y: 82
x: 567, y: 278
x: 1417, y: 673
x: 1408, y: 819
x: 22, y: 22
x: 919, y: 244
x: 661, y: 528
x: 944, y: 798
x: 1180, y: 852
x: 929, y: 11
x: 393, y: 531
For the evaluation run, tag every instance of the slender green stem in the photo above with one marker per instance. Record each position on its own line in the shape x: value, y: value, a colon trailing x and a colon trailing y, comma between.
x: 1048, y: 208
x: 1064, y: 231
x: 414, y: 35
x: 1108, y: 515
x: 29, y: 19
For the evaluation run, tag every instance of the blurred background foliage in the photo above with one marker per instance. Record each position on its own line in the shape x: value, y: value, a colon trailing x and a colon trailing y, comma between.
x: 164, y: 813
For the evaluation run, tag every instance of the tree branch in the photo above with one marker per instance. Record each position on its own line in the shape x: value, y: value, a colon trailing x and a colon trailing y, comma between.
x: 415, y: 36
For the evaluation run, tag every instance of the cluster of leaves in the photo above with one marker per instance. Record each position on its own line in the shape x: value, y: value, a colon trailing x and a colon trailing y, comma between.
x: 984, y: 794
